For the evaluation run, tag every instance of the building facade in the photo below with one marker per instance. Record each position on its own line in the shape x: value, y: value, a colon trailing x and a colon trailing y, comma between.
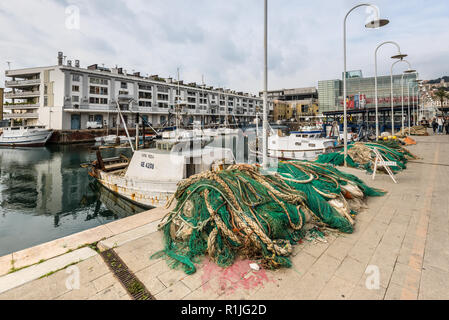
x: 1, y: 103
x: 66, y: 97
x: 296, y: 104
x: 361, y: 92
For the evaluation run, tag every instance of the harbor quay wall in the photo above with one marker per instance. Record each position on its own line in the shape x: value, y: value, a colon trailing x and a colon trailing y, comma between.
x: 83, y: 136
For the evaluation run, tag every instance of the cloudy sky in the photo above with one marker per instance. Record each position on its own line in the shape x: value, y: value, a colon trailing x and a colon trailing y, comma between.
x: 223, y: 40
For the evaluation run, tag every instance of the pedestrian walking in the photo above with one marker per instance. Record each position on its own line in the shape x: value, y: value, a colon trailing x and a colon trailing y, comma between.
x: 440, y: 125
x: 434, y: 125
x: 446, y: 125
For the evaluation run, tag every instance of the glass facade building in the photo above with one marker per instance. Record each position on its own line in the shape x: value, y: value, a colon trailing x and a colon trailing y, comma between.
x: 361, y: 92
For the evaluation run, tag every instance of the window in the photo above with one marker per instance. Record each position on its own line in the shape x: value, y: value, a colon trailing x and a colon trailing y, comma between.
x: 162, y: 105
x: 99, y: 81
x: 124, y: 85
x: 91, y: 118
x: 98, y: 90
x: 75, y: 99
x: 93, y: 100
x: 146, y: 104
x: 162, y: 89
x: 145, y: 87
x: 145, y: 95
x: 163, y: 97
x: 122, y: 92
x: 76, y: 78
x: 45, y: 89
x: 45, y: 101
x: 76, y: 88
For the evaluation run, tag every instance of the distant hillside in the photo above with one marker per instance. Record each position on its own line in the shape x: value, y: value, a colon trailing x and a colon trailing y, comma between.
x: 445, y: 78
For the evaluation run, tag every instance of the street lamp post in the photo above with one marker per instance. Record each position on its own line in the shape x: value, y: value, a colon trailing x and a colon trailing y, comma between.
x: 392, y: 97
x: 414, y: 103
x: 402, y: 84
x: 373, y: 24
x: 398, y: 56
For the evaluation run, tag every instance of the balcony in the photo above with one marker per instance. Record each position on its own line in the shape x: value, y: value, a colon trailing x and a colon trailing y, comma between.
x: 28, y: 115
x: 22, y: 94
x: 89, y: 107
x: 22, y: 83
x: 21, y: 106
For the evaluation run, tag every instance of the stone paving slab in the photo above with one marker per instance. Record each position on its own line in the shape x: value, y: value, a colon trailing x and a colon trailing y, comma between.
x: 23, y: 276
x: 45, y: 251
x: 5, y: 264
x: 96, y: 282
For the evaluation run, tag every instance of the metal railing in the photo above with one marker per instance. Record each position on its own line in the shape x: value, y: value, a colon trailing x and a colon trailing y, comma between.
x: 21, y: 106
x: 28, y: 115
x: 9, y: 83
x: 21, y: 94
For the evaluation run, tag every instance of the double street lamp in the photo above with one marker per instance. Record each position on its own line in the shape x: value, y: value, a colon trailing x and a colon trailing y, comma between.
x: 377, y: 23
x: 399, y: 56
x: 409, y: 71
x: 392, y: 96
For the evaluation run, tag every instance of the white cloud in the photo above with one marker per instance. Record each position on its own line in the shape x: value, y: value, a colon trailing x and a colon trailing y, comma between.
x: 223, y: 40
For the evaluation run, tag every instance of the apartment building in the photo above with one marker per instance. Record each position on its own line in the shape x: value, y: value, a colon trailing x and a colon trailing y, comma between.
x: 297, y: 103
x: 66, y: 97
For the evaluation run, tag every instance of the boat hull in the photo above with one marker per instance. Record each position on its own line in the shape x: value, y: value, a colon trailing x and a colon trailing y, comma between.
x: 146, y: 193
x: 298, y: 155
x: 34, y: 139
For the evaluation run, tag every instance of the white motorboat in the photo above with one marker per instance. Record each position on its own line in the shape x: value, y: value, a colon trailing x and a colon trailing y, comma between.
x: 29, y: 136
x: 150, y: 178
x: 305, y: 144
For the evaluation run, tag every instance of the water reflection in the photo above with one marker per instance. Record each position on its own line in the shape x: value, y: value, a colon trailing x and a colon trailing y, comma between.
x: 45, y: 195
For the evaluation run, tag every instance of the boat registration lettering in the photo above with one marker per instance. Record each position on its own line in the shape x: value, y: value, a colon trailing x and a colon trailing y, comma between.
x: 149, y: 156
x: 147, y: 165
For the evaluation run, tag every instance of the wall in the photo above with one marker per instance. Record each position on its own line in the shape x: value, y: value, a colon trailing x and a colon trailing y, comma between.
x: 1, y: 103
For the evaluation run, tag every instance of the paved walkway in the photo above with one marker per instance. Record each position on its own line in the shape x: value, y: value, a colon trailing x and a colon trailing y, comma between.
x: 399, y: 250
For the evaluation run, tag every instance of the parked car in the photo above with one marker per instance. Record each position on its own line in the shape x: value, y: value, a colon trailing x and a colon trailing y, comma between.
x: 94, y: 125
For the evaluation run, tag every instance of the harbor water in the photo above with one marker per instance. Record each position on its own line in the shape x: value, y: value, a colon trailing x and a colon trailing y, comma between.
x: 46, y: 195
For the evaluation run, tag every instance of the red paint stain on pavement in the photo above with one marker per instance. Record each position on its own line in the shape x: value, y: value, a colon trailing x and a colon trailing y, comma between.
x: 229, y: 280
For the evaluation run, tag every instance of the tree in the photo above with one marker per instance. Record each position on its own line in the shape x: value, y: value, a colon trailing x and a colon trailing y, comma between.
x: 442, y: 95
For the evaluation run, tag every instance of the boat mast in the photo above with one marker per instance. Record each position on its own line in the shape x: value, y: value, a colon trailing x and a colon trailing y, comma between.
x: 265, y: 104
x: 203, y: 98
x: 177, y: 105
x: 124, y: 125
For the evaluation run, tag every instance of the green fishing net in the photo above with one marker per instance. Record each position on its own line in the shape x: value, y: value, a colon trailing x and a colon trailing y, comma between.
x: 245, y: 212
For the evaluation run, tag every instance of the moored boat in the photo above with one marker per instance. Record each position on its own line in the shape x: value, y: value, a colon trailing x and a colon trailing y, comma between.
x: 304, y: 144
x: 151, y: 176
x: 26, y: 136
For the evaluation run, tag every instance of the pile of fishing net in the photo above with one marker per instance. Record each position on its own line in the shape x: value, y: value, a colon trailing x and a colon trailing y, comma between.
x: 361, y: 155
x: 414, y: 131
x: 243, y: 212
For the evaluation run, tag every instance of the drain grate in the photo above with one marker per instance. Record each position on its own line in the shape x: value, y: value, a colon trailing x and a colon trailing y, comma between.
x: 135, y: 288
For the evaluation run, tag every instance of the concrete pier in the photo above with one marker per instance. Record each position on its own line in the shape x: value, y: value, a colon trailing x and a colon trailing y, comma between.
x: 399, y: 250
